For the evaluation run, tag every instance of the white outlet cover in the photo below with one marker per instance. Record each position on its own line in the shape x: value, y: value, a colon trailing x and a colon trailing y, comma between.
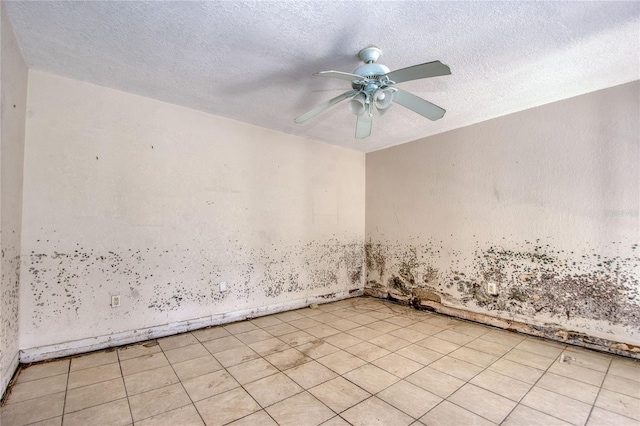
x: 223, y: 286
x: 115, y: 301
x: 492, y: 289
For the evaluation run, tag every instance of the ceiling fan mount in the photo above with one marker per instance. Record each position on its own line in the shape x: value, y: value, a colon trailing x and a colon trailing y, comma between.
x: 372, y: 87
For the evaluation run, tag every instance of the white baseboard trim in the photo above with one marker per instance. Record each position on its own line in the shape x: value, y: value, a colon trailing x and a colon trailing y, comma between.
x: 91, y: 344
x: 8, y: 373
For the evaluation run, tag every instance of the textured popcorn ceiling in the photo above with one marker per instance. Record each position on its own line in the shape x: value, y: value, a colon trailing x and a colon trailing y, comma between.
x: 253, y: 61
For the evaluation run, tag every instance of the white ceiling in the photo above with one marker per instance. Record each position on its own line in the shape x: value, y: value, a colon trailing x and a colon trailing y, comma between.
x: 254, y: 61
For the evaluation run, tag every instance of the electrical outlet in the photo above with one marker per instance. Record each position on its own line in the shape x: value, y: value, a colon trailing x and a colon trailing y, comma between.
x: 492, y: 288
x: 223, y: 286
x: 115, y: 301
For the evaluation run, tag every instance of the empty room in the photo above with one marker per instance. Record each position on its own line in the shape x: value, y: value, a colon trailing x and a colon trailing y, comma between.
x: 320, y: 213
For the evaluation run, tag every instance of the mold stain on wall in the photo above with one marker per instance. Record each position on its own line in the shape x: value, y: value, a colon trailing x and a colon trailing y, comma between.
x: 534, y: 280
x: 70, y: 285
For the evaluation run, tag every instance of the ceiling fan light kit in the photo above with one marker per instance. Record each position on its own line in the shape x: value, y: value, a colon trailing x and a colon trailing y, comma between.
x: 372, y: 86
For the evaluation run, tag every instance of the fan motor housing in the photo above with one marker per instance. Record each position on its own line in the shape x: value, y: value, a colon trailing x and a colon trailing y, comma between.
x: 371, y: 70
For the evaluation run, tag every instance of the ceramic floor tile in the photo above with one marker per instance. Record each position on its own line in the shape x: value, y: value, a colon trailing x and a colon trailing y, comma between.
x: 448, y: 414
x: 619, y: 403
x: 310, y: 374
x: 539, y: 347
x: 300, y: 410
x: 556, y: 405
x: 343, y: 340
x: 114, y: 413
x: 297, y: 338
x: 488, y: 347
x: 226, y: 407
x: 622, y: 385
x: 367, y: 351
x: 252, y: 370
x: 341, y: 362
x: 280, y: 329
x: 364, y: 332
x: 259, y: 418
x: 139, y: 349
x: 222, y: 344
x: 202, y: 387
x: 583, y: 374
x: 419, y: 354
x: 589, y: 359
x: 55, y: 421
x: 362, y: 319
x: 196, y: 367
x: 408, y: 334
x: 269, y: 346
x: 289, y: 316
x: 438, y: 345
x: 142, y: 363
x: 287, y: 359
x: 383, y: 326
x: 99, y: 393
x: 501, y: 337
x: 240, y: 327
x: 371, y: 378
x: 568, y: 387
x: 470, y: 329
x: 600, y: 417
x: 375, y: 412
x: 304, y: 323
x: 266, y: 321
x: 473, y: 356
x: 482, y: 402
x: 272, y: 389
x: 177, y: 341
x: 409, y: 398
x: 625, y: 368
x: 212, y: 333
x: 516, y: 370
x: 158, y: 401
x: 149, y: 380
x: 529, y: 358
x: 425, y: 328
x: 453, y: 337
x: 336, y: 421
x: 322, y: 330
x: 339, y: 394
x: 37, y: 388
x: 92, y: 375
x: 401, y: 321
x: 183, y: 416
x: 435, y: 381
x: 94, y: 360
x: 317, y: 349
x: 234, y: 356
x: 32, y: 410
x: 253, y: 336
x: 40, y: 371
x: 185, y: 353
x: 343, y: 324
x: 523, y: 415
x: 502, y: 385
x: 397, y: 365
x: 460, y: 369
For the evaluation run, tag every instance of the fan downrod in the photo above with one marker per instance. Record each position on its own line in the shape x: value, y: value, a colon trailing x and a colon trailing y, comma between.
x: 369, y: 54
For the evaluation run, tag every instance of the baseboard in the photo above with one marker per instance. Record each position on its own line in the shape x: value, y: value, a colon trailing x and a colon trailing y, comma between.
x: 8, y: 374
x: 91, y: 344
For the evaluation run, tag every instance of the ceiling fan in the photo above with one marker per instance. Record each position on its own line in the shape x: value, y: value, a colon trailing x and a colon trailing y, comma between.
x: 372, y: 85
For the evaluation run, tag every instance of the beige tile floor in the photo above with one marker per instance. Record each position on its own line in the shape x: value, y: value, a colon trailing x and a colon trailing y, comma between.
x: 359, y: 361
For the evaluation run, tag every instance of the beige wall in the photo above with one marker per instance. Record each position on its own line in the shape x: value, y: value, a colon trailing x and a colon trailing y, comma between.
x: 129, y: 196
x: 13, y: 88
x: 543, y: 202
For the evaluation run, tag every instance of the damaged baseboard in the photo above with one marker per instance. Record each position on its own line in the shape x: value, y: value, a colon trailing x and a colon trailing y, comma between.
x: 8, y: 374
x: 548, y: 331
x: 127, y: 337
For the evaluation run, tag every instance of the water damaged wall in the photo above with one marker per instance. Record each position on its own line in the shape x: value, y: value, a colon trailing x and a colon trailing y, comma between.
x: 13, y: 86
x: 159, y: 204
x: 542, y: 203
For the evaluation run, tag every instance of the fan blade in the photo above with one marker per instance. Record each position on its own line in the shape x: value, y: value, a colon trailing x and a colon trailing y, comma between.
x: 318, y: 109
x: 417, y: 104
x: 430, y: 69
x: 339, y: 74
x: 363, y: 125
